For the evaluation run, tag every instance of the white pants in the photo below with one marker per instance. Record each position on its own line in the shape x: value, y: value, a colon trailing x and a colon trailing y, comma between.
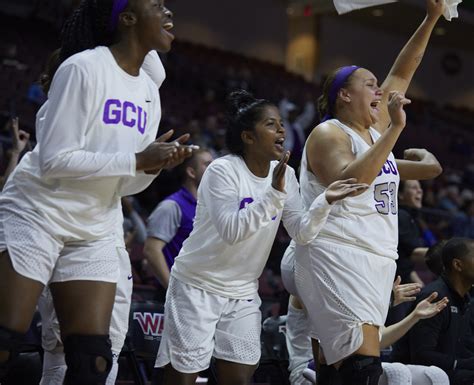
x: 199, y: 324
x: 54, y: 365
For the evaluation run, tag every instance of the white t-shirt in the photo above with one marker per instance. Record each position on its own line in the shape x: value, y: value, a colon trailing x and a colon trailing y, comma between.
x: 236, y: 221
x: 96, y: 118
x: 368, y: 221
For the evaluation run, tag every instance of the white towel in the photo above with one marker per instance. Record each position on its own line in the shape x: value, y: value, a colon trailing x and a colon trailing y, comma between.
x: 344, y: 6
x: 451, y: 9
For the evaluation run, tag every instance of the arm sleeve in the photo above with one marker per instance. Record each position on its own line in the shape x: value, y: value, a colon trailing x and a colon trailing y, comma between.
x: 62, y: 137
x: 134, y: 185
x: 219, y: 193
x: 424, y: 338
x: 164, y: 221
x: 303, y: 225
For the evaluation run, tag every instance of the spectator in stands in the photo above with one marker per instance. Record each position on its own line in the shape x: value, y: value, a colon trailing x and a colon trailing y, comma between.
x: 134, y: 228
x: 296, y: 123
x: 172, y: 220
x: 434, y: 259
x: 19, y: 143
x: 450, y: 199
x: 463, y: 223
x: 413, y: 234
x: 446, y: 339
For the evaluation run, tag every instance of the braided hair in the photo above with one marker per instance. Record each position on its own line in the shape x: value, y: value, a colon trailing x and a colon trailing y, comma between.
x: 243, y: 113
x: 86, y: 28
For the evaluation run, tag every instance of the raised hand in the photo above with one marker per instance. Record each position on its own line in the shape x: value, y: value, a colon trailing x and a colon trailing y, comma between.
x: 396, y: 102
x: 343, y: 188
x: 427, y: 308
x: 404, y: 293
x: 19, y: 137
x: 435, y: 8
x: 278, y: 180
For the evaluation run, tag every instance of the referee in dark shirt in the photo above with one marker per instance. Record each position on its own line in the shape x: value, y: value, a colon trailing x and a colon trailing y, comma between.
x: 446, y: 339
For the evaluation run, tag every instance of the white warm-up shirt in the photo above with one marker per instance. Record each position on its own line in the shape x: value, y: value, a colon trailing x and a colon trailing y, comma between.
x: 236, y: 221
x: 96, y: 118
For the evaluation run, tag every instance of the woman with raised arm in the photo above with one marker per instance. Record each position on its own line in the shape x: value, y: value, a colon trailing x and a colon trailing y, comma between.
x: 344, y: 277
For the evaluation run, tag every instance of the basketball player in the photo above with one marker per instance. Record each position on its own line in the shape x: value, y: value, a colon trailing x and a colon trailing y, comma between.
x: 212, y: 304
x: 54, y: 364
x: 345, y: 276
x: 95, y: 144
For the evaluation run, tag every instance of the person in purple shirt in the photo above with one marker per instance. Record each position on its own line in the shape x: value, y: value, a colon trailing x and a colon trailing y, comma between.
x: 172, y: 220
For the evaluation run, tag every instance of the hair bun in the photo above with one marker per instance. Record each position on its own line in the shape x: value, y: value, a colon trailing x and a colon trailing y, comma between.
x: 238, y: 101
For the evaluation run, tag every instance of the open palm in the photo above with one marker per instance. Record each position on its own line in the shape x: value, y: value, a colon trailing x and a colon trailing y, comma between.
x: 427, y: 308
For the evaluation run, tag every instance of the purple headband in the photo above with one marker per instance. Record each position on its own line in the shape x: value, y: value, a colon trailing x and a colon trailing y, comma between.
x: 341, y: 77
x: 117, y: 9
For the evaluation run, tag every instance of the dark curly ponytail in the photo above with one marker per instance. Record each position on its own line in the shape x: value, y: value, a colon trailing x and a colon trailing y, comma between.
x: 86, y: 28
x: 243, y: 111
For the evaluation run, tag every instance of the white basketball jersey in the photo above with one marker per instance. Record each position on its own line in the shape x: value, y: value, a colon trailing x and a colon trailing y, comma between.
x: 369, y: 220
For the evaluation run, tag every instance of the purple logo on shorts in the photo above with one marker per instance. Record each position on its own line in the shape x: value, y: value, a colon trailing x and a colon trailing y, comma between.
x: 127, y: 113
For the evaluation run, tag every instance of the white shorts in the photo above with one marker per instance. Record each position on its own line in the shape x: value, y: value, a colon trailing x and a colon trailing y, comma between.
x: 50, y: 333
x: 342, y: 288
x: 199, y: 324
x: 39, y: 253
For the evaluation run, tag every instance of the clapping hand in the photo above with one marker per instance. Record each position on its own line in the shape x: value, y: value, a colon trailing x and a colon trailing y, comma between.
x: 343, y: 188
x: 396, y: 102
x: 404, y: 293
x: 278, y: 180
x: 162, y: 153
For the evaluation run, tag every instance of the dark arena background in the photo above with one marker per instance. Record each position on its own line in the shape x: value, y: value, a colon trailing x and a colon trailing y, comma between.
x: 280, y: 50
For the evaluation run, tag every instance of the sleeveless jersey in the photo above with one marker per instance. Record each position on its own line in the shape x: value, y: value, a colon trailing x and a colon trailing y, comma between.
x: 368, y: 221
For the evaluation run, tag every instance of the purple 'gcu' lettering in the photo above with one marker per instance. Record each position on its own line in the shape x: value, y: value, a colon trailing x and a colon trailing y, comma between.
x: 112, y: 112
x: 127, y: 113
x: 388, y: 168
x: 127, y: 121
x: 244, y: 202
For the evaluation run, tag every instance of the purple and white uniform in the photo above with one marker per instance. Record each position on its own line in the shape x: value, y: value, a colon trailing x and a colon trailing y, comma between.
x: 212, y: 305
x: 66, y: 192
x: 54, y: 365
x: 345, y: 276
